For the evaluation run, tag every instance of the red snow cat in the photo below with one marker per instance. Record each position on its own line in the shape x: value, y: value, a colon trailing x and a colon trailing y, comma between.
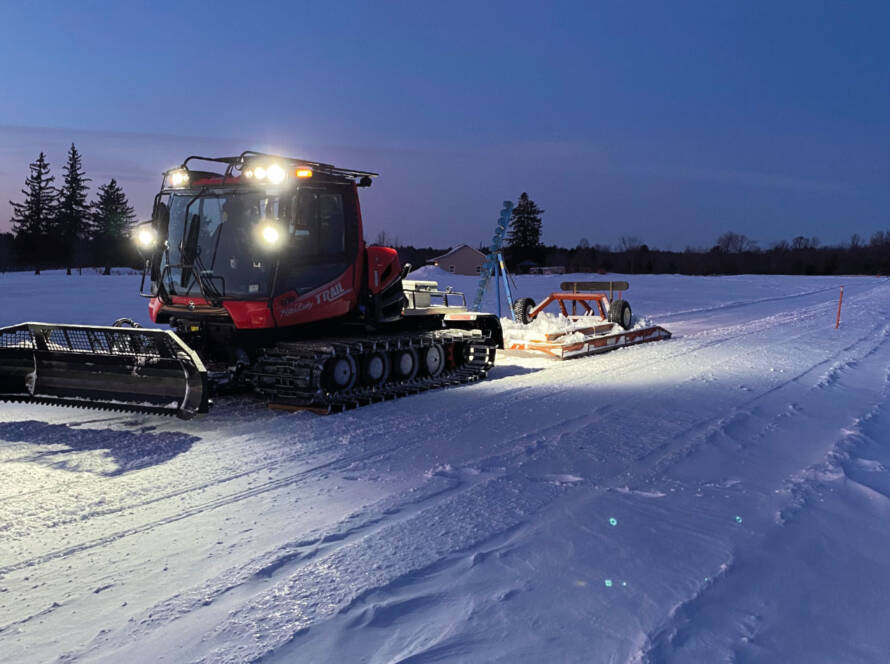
x: 259, y: 266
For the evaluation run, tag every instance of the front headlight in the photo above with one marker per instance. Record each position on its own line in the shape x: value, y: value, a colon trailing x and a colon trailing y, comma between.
x: 146, y: 237
x: 275, y: 174
x: 179, y: 178
x: 272, y: 173
x: 270, y: 234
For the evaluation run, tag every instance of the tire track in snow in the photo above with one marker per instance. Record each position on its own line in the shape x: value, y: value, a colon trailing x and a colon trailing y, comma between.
x: 329, y: 584
x: 669, y: 638
x: 227, y: 590
x: 288, y: 456
x: 216, y: 503
x: 747, y: 303
x: 766, y: 324
x: 668, y: 455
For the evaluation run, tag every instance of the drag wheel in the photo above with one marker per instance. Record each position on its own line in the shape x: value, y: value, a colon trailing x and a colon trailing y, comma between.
x: 375, y: 368
x: 619, y: 312
x: 433, y: 360
x: 522, y: 308
x: 404, y: 364
x: 340, y: 373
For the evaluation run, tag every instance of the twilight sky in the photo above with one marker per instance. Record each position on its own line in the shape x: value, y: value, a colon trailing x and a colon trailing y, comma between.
x: 669, y: 121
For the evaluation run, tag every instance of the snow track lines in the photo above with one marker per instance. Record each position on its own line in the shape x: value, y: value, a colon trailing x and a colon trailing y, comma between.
x: 744, y: 465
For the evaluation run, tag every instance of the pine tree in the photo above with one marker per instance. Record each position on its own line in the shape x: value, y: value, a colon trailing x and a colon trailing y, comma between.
x: 32, y: 220
x: 524, y: 238
x: 73, y: 213
x: 111, y: 216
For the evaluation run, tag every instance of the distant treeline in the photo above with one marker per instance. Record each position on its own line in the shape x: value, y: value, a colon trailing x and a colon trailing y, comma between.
x: 732, y: 254
x: 800, y: 256
x: 58, y: 227
x: 797, y: 257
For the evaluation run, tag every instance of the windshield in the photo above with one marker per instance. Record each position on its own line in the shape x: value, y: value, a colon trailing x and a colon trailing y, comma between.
x: 218, y: 234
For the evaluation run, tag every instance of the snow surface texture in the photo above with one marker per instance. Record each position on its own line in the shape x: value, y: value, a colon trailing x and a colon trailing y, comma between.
x: 720, y: 497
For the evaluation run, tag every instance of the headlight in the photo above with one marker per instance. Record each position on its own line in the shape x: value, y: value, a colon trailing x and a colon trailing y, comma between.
x: 275, y: 174
x: 271, y: 173
x: 146, y: 237
x: 270, y: 235
x: 179, y: 178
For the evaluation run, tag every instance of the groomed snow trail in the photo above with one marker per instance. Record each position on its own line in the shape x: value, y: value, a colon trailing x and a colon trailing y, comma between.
x: 722, y: 496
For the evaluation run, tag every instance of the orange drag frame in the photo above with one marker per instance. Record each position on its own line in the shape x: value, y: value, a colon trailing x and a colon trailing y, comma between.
x: 598, y: 337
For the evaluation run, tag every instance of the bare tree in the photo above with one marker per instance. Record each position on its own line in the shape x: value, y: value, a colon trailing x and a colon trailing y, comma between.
x: 801, y: 242
x: 384, y: 240
x: 735, y: 243
x: 629, y: 243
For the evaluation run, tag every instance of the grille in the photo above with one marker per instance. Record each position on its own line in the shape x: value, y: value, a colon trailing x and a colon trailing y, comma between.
x: 92, y: 340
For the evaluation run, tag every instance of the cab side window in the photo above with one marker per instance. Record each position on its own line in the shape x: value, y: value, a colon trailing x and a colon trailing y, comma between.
x: 318, y: 230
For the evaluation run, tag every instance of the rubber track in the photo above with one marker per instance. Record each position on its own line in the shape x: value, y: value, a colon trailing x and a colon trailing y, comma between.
x: 290, y: 374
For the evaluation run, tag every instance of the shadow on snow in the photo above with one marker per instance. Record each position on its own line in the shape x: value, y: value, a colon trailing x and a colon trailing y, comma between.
x: 129, y: 450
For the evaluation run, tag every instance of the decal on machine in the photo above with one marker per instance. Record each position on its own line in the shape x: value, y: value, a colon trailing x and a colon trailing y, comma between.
x: 295, y: 307
x: 330, y: 294
x: 292, y: 305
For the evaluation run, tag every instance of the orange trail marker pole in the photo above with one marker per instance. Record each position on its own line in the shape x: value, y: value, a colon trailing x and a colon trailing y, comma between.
x: 840, y: 301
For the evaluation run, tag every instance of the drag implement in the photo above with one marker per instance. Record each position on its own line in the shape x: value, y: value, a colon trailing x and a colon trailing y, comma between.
x: 597, y: 322
x: 113, y: 368
x: 260, y: 268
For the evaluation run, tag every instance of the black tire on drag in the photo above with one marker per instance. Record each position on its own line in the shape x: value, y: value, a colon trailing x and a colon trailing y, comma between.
x: 521, y: 309
x: 619, y: 313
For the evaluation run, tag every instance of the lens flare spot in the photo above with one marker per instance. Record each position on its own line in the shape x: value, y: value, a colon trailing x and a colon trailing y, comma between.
x: 271, y: 234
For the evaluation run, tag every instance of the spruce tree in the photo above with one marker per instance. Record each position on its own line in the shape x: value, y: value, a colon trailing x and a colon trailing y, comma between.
x: 73, y: 213
x: 32, y: 220
x: 111, y: 216
x: 524, y: 238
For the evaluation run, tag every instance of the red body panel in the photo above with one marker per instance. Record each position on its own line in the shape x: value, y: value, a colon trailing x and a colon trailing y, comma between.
x: 232, y: 179
x: 332, y: 300
x: 246, y: 315
x: 383, y: 267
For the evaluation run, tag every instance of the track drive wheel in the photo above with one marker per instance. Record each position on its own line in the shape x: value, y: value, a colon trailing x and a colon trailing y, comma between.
x: 405, y: 363
x: 619, y: 312
x: 375, y: 368
x: 340, y: 373
x: 522, y: 308
x: 433, y: 360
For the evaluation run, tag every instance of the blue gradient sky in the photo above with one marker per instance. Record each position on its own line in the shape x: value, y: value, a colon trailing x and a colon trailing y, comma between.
x: 669, y: 121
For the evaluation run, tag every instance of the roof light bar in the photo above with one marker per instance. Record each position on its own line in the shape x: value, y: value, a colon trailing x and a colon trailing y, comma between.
x: 178, y: 178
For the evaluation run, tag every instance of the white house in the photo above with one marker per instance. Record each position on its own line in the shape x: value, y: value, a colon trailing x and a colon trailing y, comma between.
x: 462, y: 259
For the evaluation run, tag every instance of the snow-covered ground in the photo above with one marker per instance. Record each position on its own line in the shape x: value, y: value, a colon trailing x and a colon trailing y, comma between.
x: 720, y: 497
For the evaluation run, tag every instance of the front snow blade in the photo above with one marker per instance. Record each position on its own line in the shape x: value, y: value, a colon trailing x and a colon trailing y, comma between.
x: 110, y: 368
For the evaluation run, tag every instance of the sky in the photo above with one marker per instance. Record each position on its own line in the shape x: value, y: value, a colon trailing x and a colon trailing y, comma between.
x: 671, y: 122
